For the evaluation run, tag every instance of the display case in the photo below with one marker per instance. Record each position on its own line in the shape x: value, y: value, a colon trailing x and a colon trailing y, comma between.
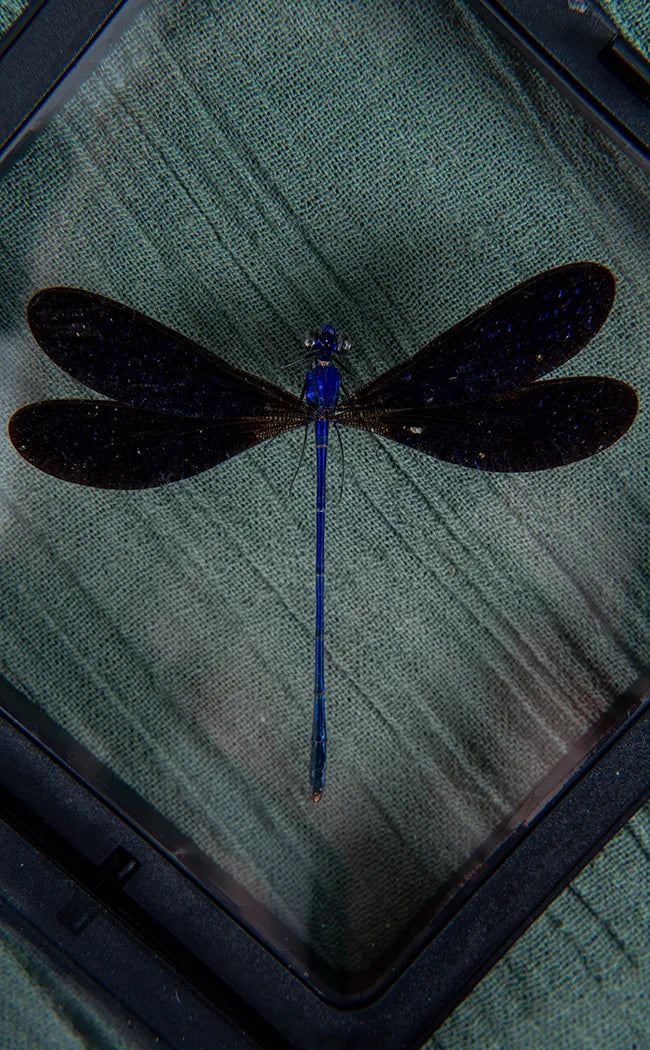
x: 241, y: 176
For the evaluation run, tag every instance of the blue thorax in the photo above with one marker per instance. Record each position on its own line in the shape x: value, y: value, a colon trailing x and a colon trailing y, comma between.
x: 323, y: 380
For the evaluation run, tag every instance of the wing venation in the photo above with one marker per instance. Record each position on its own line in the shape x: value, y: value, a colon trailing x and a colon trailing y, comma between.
x: 514, y: 340
x: 129, y: 357
x: 115, y: 446
x: 547, y: 424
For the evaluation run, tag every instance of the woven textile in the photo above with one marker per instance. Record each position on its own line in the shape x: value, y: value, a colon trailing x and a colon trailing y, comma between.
x: 243, y: 172
x: 10, y: 10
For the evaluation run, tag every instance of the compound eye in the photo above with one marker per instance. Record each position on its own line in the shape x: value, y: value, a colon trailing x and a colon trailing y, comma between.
x: 310, y: 338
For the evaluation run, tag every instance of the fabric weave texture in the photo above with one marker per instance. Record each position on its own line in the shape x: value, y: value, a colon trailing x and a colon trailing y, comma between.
x: 242, y: 173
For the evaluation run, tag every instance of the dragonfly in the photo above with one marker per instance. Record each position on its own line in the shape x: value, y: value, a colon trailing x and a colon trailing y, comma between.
x: 471, y: 397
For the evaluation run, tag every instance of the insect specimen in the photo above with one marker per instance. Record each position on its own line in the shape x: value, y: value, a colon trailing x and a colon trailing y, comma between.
x: 471, y: 396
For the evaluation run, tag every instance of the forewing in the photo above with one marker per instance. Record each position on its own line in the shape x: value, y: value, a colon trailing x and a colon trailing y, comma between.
x: 510, y: 343
x: 544, y: 425
x: 114, y: 446
x: 130, y: 358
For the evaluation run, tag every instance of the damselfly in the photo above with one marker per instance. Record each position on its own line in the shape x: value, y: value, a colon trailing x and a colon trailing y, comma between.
x: 471, y: 396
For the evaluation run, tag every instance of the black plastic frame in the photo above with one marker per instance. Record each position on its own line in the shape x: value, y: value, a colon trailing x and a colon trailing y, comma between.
x: 112, y: 907
x: 583, y: 53
x: 45, y: 55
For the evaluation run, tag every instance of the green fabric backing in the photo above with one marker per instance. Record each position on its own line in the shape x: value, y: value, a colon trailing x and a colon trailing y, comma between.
x: 632, y: 18
x: 242, y: 172
x: 10, y: 10
x: 41, y: 1010
x: 579, y: 978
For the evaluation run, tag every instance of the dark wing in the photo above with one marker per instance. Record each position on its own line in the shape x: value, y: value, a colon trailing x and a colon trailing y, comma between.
x: 510, y: 343
x: 128, y: 357
x: 543, y: 425
x: 115, y: 446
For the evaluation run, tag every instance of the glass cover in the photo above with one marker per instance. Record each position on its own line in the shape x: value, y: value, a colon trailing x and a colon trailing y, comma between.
x: 244, y: 173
